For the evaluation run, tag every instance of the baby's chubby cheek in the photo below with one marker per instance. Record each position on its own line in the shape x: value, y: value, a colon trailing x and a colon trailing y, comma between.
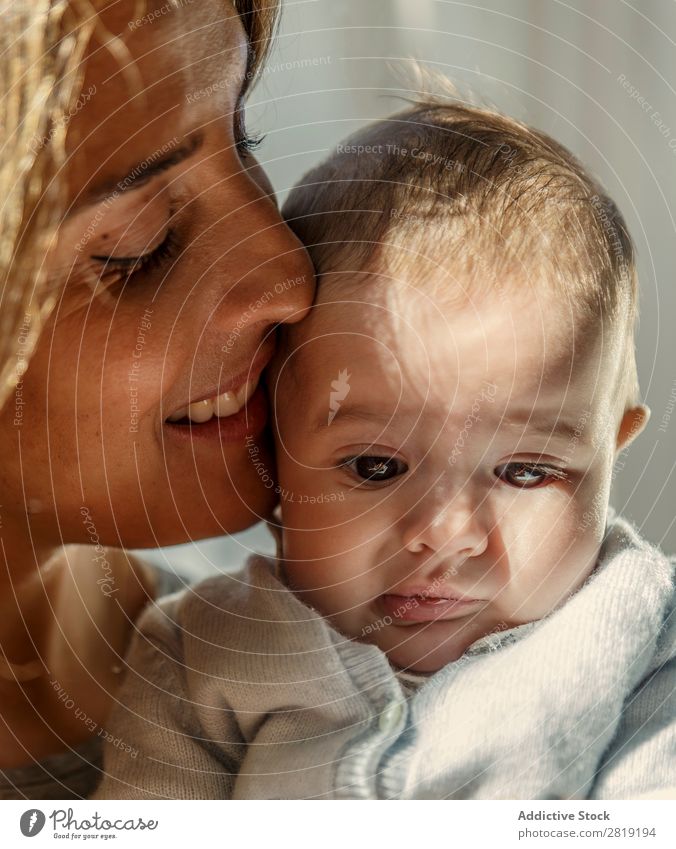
x: 550, y: 551
x: 329, y: 527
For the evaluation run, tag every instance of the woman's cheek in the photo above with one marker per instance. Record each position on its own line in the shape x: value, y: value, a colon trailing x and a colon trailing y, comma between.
x: 132, y: 386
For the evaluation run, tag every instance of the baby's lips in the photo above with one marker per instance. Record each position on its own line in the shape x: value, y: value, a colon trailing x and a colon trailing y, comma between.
x: 419, y: 608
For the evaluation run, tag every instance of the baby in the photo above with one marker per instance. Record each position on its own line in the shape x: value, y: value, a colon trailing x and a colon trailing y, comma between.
x: 454, y: 611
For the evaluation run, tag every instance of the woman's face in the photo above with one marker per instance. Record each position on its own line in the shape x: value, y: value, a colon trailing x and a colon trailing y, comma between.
x: 157, y: 170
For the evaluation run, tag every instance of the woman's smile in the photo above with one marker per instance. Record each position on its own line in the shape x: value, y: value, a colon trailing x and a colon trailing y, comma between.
x: 250, y: 418
x: 236, y: 407
x: 225, y: 404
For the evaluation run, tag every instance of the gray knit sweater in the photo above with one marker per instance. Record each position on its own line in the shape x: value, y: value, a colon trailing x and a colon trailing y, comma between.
x: 238, y: 690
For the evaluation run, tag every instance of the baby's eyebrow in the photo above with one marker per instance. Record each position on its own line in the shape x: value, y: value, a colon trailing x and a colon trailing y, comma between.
x: 549, y: 425
x: 531, y: 421
x: 349, y: 413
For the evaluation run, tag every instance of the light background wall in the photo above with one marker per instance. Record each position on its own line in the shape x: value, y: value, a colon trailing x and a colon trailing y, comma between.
x: 599, y: 75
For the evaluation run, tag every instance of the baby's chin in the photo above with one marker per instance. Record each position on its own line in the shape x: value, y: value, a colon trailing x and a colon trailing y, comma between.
x: 424, y: 652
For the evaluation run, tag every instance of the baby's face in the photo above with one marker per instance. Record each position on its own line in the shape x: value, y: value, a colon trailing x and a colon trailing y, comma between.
x: 444, y: 471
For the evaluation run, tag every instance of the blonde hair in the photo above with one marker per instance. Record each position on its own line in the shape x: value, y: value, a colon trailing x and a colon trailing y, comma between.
x: 42, y: 43
x: 487, y: 193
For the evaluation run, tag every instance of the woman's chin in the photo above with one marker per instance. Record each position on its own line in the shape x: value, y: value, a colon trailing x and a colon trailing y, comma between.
x: 236, y: 512
x: 210, y: 500
x: 188, y: 514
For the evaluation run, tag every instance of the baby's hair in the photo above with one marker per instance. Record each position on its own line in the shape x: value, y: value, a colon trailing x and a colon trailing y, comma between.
x: 490, y: 200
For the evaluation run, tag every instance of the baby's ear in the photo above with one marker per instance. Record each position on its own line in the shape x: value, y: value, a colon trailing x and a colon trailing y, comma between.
x: 633, y: 422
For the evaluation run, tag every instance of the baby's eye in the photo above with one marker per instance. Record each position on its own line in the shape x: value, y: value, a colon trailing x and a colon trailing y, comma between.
x: 528, y: 475
x: 372, y: 468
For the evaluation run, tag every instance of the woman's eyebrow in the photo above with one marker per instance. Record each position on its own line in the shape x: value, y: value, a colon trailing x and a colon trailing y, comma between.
x: 157, y: 163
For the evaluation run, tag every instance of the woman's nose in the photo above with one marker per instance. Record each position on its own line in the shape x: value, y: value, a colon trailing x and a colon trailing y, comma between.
x: 281, y: 278
x: 454, y: 528
x: 261, y: 272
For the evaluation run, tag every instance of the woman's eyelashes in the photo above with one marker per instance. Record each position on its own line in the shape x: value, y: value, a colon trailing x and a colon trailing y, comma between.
x: 374, y: 468
x: 247, y: 144
x: 123, y: 268
x: 529, y: 475
x: 244, y: 141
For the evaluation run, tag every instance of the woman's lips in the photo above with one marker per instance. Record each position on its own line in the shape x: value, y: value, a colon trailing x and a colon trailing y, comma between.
x: 250, y: 420
x: 227, y: 399
x: 414, y: 608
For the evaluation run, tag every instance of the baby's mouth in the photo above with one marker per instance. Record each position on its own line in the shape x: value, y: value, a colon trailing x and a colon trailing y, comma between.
x: 226, y: 404
x: 426, y: 608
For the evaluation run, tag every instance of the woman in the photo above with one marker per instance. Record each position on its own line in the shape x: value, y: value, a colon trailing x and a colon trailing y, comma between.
x: 144, y: 266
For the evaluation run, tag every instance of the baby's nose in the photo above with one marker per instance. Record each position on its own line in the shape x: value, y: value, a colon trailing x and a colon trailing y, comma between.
x: 457, y: 530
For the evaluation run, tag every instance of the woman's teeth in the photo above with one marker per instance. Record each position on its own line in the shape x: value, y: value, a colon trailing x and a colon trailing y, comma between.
x: 226, y: 404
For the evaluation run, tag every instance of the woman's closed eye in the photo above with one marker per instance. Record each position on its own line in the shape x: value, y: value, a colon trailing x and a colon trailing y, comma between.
x: 529, y: 475
x: 373, y: 468
x: 123, y: 268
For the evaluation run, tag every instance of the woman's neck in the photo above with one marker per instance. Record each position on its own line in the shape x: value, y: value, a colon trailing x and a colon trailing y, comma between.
x: 25, y: 560
x: 66, y: 617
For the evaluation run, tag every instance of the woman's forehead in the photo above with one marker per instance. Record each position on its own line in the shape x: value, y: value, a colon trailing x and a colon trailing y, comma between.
x: 153, y: 83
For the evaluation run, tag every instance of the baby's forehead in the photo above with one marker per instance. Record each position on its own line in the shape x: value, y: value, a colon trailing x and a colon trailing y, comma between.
x: 411, y: 313
x: 399, y: 341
